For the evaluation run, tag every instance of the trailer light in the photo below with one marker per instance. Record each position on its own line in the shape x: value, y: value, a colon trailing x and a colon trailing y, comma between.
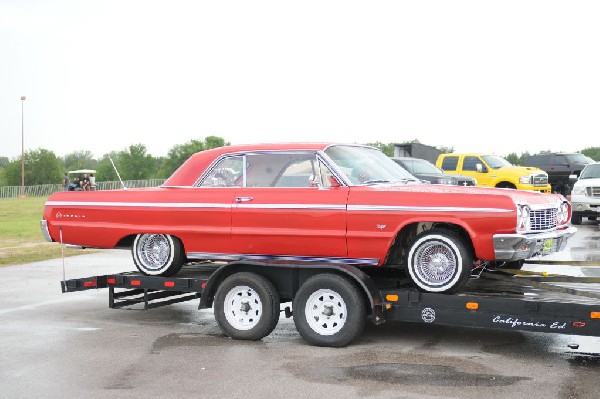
x: 578, y: 324
x: 392, y: 297
x: 169, y: 283
x: 136, y: 282
x: 594, y: 315
x: 388, y: 306
x: 111, y: 280
x: 472, y: 305
x: 203, y: 285
x: 89, y: 283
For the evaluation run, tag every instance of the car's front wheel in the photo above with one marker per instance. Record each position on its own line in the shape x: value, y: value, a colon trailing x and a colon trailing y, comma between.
x: 158, y: 254
x: 439, y: 261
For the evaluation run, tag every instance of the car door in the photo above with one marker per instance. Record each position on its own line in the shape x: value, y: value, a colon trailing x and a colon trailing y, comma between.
x: 288, y: 209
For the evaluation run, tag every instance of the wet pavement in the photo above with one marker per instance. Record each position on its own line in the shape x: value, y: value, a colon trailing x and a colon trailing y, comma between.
x: 72, y: 345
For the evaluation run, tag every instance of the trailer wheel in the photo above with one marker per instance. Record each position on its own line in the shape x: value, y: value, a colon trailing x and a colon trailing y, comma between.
x: 158, y: 254
x: 247, y: 306
x: 329, y: 311
x: 576, y: 219
x: 438, y: 261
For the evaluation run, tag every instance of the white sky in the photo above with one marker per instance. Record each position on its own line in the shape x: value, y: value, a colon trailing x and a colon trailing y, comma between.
x: 479, y: 76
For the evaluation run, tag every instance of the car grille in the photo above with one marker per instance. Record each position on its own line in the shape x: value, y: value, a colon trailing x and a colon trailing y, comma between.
x: 540, y: 180
x: 461, y: 182
x: 593, y: 192
x: 543, y: 219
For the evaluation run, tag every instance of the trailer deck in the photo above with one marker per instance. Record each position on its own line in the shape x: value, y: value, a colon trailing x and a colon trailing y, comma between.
x: 497, y: 299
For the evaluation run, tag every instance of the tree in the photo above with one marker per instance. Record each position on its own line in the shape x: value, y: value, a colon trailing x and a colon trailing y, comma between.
x: 135, y: 163
x: 104, y: 168
x: 41, y: 167
x: 592, y: 152
x: 3, y: 162
x: 80, y: 160
x: 387, y: 149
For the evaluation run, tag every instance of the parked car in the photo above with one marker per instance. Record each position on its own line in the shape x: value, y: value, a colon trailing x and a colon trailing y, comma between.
x: 559, y: 167
x: 494, y: 171
x: 585, y: 196
x: 427, y: 171
x: 307, y: 203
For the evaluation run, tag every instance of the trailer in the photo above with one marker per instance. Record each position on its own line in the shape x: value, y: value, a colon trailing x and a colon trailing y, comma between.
x: 331, y: 303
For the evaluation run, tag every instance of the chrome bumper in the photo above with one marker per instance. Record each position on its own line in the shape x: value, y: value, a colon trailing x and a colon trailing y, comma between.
x: 45, y: 232
x: 509, y: 247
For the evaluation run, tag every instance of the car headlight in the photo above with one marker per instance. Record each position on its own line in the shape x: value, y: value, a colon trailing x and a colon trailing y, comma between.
x: 446, y: 180
x: 562, y: 216
x: 523, y: 213
x: 525, y: 179
x: 579, y: 190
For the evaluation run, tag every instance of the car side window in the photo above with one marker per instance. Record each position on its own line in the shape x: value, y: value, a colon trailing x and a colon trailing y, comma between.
x: 560, y: 160
x: 450, y: 163
x: 281, y: 169
x: 470, y: 163
x: 227, y: 173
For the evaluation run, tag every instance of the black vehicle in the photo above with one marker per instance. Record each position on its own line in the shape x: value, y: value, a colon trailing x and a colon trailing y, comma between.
x: 425, y: 170
x: 559, y: 167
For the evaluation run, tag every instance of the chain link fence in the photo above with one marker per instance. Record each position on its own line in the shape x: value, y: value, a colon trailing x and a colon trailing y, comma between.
x: 44, y: 190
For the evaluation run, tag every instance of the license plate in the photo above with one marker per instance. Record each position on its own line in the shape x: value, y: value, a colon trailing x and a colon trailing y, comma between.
x: 548, y: 245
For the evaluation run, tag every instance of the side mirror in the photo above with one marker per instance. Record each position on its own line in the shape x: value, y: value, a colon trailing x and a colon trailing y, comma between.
x: 573, y: 178
x: 479, y: 167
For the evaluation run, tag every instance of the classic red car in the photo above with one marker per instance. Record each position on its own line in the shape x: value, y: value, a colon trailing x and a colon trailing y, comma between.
x: 312, y: 202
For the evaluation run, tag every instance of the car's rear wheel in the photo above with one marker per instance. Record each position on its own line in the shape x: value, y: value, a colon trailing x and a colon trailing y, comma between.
x: 438, y: 261
x: 246, y: 306
x: 158, y: 254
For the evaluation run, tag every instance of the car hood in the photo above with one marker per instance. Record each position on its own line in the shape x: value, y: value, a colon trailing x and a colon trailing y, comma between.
x: 522, y: 170
x: 587, y: 182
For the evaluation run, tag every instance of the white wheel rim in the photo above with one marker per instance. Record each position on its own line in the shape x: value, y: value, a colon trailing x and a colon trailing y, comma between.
x: 326, y: 312
x: 243, y: 308
x: 154, y: 251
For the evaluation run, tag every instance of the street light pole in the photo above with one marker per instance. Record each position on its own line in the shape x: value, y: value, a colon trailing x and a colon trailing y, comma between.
x: 22, y: 148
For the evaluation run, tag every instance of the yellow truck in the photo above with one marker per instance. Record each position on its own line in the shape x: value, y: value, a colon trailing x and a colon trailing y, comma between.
x: 494, y: 171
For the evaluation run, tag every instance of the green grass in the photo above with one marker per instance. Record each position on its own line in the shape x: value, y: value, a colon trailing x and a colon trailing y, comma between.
x: 21, y: 239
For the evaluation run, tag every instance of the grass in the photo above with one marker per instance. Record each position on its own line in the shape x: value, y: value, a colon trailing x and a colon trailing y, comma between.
x: 21, y: 239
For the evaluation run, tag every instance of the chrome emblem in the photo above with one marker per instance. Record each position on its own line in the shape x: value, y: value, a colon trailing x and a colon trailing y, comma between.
x: 381, y: 226
x: 58, y: 215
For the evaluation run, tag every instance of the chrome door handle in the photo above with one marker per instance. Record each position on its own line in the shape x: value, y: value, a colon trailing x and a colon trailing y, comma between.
x: 243, y: 199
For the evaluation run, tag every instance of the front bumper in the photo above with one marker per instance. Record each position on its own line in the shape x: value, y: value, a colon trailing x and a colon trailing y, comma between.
x: 511, y: 247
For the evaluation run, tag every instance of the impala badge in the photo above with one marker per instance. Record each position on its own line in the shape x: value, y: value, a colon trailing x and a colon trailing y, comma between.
x: 381, y: 226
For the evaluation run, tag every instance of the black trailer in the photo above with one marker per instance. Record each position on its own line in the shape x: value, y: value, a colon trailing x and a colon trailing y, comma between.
x: 331, y: 303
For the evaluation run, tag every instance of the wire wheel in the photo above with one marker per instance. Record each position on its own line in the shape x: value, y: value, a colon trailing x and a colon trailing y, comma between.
x: 326, y: 312
x: 158, y: 254
x: 242, y: 308
x: 435, y: 263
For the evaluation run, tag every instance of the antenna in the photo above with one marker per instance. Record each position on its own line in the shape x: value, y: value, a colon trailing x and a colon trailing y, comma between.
x: 118, y: 175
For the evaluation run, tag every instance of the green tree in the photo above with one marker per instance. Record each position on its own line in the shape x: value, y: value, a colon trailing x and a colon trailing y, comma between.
x: 135, y: 163
x: 387, y: 149
x: 178, y: 154
x: 41, y: 167
x: 104, y: 168
x: 80, y: 160
x: 3, y: 162
x: 592, y: 152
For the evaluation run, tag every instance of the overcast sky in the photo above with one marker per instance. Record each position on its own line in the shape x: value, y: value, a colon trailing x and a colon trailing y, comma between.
x: 479, y: 76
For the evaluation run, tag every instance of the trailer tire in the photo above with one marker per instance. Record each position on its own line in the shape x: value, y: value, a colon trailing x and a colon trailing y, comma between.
x: 329, y: 311
x: 576, y: 220
x: 246, y: 306
x: 438, y: 261
x: 158, y: 254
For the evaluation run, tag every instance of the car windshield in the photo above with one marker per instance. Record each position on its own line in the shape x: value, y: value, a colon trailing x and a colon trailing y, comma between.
x: 579, y: 158
x: 495, y: 161
x: 591, y: 172
x: 366, y: 165
x: 425, y: 167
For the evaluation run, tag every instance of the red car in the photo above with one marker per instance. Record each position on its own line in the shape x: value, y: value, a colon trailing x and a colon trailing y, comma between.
x: 312, y: 202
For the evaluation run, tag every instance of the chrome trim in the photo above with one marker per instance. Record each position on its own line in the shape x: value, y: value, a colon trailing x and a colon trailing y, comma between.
x: 285, y: 258
x: 424, y: 208
x: 140, y: 204
x: 290, y: 206
x: 510, y: 247
x: 45, y: 231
